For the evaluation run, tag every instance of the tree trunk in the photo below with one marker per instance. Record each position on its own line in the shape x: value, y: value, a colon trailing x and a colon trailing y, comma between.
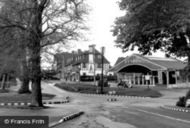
x: 3, y: 84
x: 7, y: 82
x: 35, y: 50
x: 36, y: 93
x: 36, y: 75
x: 24, y: 88
x: 188, y: 67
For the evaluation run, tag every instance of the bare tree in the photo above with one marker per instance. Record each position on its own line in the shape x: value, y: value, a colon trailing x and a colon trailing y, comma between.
x: 43, y: 23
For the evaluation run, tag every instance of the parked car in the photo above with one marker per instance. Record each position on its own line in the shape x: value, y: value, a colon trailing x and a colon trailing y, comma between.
x: 124, y: 84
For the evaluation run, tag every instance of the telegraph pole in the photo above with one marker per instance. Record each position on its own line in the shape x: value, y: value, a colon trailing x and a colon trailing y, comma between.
x: 102, y: 85
x: 94, y: 64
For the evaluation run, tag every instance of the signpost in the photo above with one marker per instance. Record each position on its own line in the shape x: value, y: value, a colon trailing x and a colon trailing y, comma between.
x: 147, y: 78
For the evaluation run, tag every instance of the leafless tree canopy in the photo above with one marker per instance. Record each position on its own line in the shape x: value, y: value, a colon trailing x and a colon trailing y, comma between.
x: 34, y: 25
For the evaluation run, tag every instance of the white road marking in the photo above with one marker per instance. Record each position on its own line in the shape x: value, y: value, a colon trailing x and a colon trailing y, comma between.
x: 156, y: 114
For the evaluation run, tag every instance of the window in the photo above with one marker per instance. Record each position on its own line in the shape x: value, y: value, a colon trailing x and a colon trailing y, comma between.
x: 91, y: 58
x: 106, y: 66
x: 99, y: 56
x: 84, y: 65
x: 99, y: 66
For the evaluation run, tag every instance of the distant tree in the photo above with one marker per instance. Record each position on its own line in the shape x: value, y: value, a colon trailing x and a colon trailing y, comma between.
x: 43, y: 23
x: 154, y: 24
x: 12, y: 44
x: 8, y: 68
x: 10, y: 58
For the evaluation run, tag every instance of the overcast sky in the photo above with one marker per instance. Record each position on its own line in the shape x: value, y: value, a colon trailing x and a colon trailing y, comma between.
x: 101, y: 18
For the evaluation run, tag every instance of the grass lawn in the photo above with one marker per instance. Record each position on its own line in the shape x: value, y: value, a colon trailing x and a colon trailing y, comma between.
x: 88, y: 88
x: 15, y: 97
x: 3, y: 91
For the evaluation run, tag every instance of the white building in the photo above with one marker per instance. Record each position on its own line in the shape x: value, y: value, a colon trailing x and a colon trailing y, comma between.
x: 83, y: 65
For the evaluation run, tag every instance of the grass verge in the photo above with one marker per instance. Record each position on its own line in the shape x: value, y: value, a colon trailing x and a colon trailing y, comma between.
x: 85, y: 88
x: 4, y: 91
x: 15, y: 97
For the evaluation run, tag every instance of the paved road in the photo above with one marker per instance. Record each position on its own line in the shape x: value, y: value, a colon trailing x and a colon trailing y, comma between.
x: 99, y: 113
x: 124, y: 113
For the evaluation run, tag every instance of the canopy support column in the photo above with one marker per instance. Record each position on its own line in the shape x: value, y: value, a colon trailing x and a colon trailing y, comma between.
x: 167, y: 78
x: 176, y: 81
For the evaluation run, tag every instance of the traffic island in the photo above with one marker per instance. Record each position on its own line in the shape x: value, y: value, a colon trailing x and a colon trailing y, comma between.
x: 26, y: 105
x: 66, y: 118
x: 116, y: 92
x: 175, y: 108
x: 95, y: 94
x: 56, y: 102
x: 112, y: 99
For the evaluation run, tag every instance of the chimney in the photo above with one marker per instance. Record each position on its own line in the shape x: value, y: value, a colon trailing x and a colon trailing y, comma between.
x: 79, y: 51
x: 75, y: 52
x: 91, y: 48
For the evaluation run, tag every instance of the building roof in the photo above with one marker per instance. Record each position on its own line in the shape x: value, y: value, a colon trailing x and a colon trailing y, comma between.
x: 119, y: 60
x: 152, y: 63
x: 83, y: 57
x: 169, y: 63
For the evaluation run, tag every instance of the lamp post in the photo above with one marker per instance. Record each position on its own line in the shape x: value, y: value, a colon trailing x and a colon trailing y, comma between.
x: 94, y: 64
x: 102, y: 85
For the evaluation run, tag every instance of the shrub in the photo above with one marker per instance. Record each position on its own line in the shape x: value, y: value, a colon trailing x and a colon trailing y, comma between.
x: 86, y: 88
x: 188, y: 94
x: 181, y: 102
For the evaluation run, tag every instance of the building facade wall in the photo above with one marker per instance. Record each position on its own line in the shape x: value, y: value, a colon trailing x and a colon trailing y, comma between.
x: 86, y: 63
x: 89, y: 71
